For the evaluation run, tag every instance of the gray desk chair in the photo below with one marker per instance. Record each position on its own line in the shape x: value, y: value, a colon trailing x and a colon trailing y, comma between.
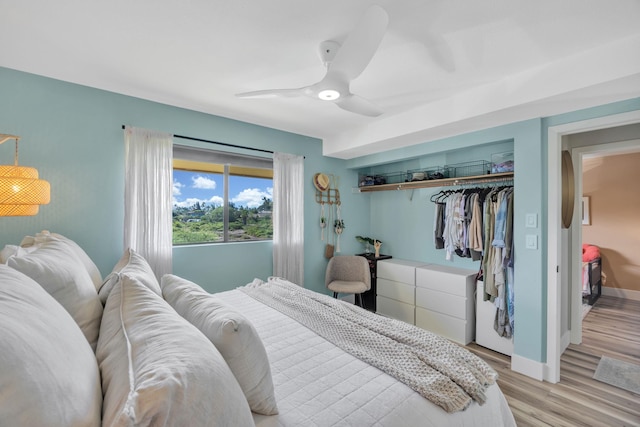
x: 348, y: 274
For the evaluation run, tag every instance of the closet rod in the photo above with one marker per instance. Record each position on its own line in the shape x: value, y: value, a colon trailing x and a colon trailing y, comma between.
x: 218, y: 143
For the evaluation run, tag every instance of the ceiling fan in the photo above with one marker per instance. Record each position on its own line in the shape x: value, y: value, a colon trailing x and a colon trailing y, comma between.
x: 344, y: 63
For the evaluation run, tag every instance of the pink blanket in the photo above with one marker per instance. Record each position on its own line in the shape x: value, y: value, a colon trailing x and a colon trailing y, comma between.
x: 590, y: 252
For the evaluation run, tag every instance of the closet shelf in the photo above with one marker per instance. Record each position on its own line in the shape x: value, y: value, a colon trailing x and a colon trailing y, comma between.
x: 445, y: 182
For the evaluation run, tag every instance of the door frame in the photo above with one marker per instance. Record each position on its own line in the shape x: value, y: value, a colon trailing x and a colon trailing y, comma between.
x: 554, y: 240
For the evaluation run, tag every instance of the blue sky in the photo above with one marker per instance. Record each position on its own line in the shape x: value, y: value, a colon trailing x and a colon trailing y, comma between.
x: 192, y: 187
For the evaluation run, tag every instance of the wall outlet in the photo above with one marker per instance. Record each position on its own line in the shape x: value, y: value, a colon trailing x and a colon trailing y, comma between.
x: 532, y: 241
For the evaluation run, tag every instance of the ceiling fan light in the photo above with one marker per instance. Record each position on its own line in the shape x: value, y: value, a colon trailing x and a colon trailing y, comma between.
x: 329, y: 95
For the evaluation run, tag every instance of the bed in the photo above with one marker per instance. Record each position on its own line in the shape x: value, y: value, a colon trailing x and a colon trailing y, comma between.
x: 318, y: 384
x: 149, y: 352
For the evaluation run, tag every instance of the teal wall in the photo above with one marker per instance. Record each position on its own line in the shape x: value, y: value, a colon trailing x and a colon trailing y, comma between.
x: 403, y: 220
x: 73, y: 135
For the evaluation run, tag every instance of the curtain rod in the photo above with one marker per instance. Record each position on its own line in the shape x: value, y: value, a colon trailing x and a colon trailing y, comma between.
x: 219, y: 143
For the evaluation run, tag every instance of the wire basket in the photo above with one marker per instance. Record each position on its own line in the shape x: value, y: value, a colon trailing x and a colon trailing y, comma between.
x: 365, y: 180
x: 437, y: 172
x: 473, y: 168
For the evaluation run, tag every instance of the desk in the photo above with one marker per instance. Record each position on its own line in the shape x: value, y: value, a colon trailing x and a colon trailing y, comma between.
x: 369, y: 297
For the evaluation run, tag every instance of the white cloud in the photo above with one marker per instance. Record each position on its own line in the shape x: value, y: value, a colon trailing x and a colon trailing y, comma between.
x: 252, y: 197
x: 177, y: 186
x: 203, y: 183
x: 215, y: 201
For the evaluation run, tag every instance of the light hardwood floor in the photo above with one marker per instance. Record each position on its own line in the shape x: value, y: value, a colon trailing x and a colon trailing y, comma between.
x: 611, y: 328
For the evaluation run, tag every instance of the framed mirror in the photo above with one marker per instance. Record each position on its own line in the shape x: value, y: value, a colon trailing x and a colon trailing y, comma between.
x: 568, y: 189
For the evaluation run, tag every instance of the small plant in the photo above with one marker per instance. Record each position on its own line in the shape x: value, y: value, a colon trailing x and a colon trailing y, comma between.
x: 338, y: 223
x: 367, y: 240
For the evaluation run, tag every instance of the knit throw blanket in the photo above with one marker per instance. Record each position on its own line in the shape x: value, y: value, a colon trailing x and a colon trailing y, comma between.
x: 441, y: 371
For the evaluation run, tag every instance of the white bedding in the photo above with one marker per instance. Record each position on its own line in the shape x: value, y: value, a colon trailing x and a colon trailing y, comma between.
x: 318, y: 384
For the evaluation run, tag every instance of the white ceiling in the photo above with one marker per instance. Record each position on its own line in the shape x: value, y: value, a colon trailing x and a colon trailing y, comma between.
x: 444, y: 67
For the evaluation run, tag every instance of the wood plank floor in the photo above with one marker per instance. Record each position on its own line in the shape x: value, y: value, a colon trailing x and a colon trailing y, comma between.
x: 611, y: 328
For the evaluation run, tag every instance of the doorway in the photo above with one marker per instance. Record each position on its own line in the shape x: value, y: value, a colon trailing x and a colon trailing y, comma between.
x: 579, y: 154
x: 561, y: 255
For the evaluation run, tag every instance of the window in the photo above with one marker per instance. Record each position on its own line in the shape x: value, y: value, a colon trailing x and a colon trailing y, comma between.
x: 221, y: 197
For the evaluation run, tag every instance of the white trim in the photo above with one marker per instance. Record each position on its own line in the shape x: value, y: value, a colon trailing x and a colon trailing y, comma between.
x: 565, y: 340
x: 575, y: 260
x: 555, y: 134
x: 527, y: 367
x: 552, y: 369
x: 621, y: 293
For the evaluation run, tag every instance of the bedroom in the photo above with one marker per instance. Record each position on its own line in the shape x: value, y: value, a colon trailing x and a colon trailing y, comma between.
x: 72, y: 134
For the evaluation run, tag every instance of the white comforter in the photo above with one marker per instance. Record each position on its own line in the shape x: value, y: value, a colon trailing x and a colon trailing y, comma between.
x: 318, y: 384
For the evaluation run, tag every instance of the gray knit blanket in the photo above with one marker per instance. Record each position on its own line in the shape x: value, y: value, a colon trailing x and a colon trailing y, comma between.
x: 440, y: 370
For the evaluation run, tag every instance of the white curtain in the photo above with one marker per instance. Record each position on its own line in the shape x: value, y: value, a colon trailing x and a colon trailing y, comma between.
x: 148, y: 195
x: 288, y: 217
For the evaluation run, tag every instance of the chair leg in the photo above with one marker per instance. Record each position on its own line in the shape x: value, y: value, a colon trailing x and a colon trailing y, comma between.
x: 335, y: 295
x: 359, y: 300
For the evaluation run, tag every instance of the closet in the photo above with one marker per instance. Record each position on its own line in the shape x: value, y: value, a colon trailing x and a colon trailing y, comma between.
x: 427, y: 202
x: 477, y: 223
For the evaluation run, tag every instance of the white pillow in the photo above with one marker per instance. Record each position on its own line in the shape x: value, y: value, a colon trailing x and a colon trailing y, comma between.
x: 48, y: 373
x: 13, y: 250
x: 58, y: 270
x: 232, y: 334
x: 45, y: 236
x: 158, y: 369
x: 135, y: 265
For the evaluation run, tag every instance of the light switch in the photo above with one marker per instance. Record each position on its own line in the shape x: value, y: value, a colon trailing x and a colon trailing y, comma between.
x: 532, y: 241
x: 531, y: 220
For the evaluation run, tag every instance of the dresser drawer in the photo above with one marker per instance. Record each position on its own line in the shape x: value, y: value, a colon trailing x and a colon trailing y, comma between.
x: 452, y: 280
x: 398, y: 270
x: 442, y: 302
x: 457, y: 330
x: 396, y: 290
x: 395, y: 309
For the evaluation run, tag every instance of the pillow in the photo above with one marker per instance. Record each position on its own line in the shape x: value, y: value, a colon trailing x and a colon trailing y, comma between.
x: 45, y: 236
x: 158, y: 369
x: 135, y: 265
x: 58, y: 270
x: 232, y: 334
x: 48, y: 373
x: 11, y: 250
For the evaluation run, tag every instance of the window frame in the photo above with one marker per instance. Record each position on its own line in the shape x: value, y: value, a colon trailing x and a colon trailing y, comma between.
x: 196, y: 159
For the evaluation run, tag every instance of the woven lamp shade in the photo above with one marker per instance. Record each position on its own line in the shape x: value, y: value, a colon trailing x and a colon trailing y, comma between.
x: 21, y: 192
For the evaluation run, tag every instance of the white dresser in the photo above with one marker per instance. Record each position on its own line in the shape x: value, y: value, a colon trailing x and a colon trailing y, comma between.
x: 445, y: 302
x: 395, y: 291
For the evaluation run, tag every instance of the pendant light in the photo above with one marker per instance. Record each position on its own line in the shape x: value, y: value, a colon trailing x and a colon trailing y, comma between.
x: 21, y: 192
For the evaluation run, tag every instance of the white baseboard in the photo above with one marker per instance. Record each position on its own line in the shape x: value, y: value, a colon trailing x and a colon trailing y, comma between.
x: 527, y: 367
x: 621, y: 293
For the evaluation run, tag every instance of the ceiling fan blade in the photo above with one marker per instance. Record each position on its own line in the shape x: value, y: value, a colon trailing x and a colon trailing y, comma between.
x: 359, y: 105
x: 361, y: 44
x: 273, y: 93
x: 440, y: 52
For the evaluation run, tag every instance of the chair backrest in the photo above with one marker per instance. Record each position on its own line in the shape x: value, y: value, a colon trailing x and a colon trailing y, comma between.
x: 351, y: 268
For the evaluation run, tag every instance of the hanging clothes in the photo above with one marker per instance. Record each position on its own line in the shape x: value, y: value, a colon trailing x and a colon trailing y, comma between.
x: 438, y: 225
x: 453, y: 228
x: 478, y: 224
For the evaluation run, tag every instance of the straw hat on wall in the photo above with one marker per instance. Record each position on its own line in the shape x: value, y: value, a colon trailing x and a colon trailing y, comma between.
x: 321, y: 182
